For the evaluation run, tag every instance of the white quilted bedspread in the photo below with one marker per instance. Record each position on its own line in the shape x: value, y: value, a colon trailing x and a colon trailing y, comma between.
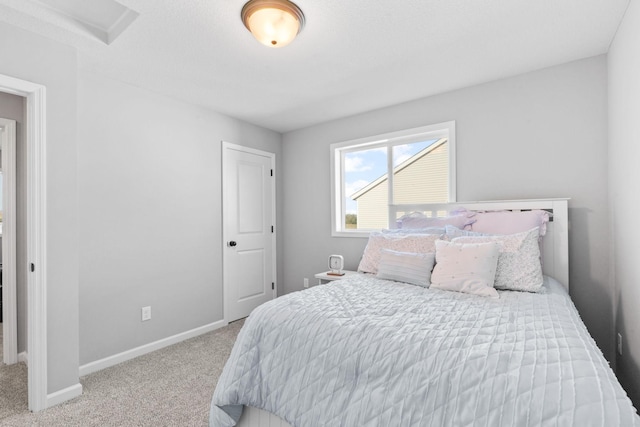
x: 369, y: 352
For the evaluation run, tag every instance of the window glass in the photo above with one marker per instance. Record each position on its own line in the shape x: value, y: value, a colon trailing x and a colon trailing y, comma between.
x: 364, y: 171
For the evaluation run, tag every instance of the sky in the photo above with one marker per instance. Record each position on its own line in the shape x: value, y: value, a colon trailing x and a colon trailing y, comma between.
x: 365, y: 166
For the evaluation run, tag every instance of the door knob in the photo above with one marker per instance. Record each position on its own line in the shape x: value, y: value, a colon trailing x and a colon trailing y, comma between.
x: 232, y: 243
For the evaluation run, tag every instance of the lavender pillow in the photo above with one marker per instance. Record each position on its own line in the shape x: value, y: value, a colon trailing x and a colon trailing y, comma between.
x: 418, y: 220
x: 508, y: 222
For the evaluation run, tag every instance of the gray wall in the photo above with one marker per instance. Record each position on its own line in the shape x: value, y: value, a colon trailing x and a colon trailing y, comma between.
x: 150, y: 213
x: 13, y: 107
x: 538, y: 135
x: 53, y: 65
x: 624, y: 176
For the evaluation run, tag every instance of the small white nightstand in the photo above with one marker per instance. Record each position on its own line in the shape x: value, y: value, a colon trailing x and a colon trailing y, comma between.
x: 324, y: 277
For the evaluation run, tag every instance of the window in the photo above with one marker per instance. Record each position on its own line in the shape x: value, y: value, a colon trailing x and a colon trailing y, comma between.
x: 377, y: 179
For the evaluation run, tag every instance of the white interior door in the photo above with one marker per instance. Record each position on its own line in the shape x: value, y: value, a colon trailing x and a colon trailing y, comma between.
x: 248, y: 200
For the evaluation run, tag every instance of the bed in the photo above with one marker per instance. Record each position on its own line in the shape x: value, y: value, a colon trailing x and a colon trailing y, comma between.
x: 365, y: 351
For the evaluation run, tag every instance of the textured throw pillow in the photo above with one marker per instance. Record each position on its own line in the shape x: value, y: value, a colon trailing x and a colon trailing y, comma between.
x: 415, y: 243
x: 508, y: 222
x: 466, y: 267
x: 519, y: 267
x: 406, y: 267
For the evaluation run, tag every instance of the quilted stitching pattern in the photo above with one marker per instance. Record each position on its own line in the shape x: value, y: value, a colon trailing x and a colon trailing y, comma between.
x: 368, y: 352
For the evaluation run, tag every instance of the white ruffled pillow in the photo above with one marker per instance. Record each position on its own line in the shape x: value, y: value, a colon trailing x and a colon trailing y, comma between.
x: 414, y: 243
x: 519, y: 267
x: 406, y: 267
x: 428, y: 230
x: 466, y: 267
x: 452, y: 232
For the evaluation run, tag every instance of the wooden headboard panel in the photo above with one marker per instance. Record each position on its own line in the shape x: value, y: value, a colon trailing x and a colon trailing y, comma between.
x: 555, y: 244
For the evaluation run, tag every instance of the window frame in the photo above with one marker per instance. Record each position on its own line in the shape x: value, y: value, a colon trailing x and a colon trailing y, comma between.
x: 389, y: 140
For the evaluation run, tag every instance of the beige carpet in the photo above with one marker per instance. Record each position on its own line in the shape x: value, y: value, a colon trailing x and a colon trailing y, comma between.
x: 13, y: 386
x: 13, y: 390
x: 169, y: 387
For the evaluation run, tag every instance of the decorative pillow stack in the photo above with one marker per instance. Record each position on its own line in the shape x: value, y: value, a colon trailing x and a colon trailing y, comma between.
x: 474, y: 262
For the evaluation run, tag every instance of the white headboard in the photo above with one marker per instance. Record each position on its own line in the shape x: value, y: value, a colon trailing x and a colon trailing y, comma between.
x: 555, y: 244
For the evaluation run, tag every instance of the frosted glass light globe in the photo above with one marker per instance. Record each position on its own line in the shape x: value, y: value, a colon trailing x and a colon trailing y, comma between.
x: 274, y: 23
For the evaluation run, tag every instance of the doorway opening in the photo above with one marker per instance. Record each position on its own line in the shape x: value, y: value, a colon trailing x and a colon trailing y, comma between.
x: 8, y: 247
x: 14, y: 391
x: 35, y: 142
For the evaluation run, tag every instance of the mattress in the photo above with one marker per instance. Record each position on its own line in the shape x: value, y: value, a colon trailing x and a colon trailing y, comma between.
x: 368, y: 352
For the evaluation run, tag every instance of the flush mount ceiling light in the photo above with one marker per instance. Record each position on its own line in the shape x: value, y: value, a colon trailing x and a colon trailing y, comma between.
x: 274, y: 23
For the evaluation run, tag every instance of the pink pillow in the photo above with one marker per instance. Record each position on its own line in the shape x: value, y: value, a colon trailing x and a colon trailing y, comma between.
x: 415, y: 243
x: 508, y: 222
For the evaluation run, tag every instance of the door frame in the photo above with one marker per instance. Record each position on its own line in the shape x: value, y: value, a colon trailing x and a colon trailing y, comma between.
x: 225, y: 283
x: 9, y: 294
x: 35, y: 132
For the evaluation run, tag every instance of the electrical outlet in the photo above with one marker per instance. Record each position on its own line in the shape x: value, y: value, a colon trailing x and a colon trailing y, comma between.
x: 306, y: 282
x: 146, y: 313
x: 619, y: 343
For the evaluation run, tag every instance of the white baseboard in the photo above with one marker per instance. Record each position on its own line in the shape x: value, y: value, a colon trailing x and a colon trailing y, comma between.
x: 64, y: 395
x: 107, y: 362
x: 23, y: 357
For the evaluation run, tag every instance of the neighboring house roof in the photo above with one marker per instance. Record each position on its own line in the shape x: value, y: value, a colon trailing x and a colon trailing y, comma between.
x: 401, y: 166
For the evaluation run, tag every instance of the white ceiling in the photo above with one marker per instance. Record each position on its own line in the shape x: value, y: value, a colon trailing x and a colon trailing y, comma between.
x: 352, y: 56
